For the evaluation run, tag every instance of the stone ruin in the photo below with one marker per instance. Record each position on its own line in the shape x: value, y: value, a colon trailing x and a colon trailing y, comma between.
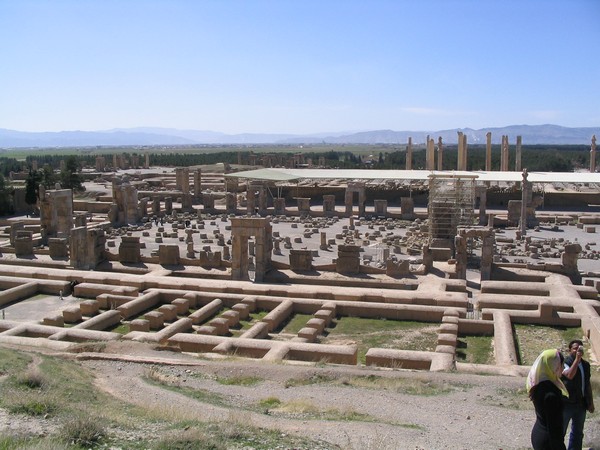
x: 383, y: 264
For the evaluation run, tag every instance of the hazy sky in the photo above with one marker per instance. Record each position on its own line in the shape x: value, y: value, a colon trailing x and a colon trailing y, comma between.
x: 298, y: 66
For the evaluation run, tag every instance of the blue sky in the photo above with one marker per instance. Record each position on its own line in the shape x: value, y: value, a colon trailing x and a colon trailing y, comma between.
x: 303, y: 66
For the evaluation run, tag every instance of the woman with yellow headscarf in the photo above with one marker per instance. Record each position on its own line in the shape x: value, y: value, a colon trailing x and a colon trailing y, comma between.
x: 546, y: 391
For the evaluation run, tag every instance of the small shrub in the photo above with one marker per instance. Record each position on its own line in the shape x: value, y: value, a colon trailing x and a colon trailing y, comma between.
x: 269, y: 402
x: 239, y: 381
x: 32, y: 407
x: 188, y: 440
x: 32, y: 379
x: 83, y: 431
x: 93, y: 347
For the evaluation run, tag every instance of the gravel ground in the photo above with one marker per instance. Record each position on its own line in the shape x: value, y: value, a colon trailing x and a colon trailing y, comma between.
x: 476, y: 411
x: 473, y: 411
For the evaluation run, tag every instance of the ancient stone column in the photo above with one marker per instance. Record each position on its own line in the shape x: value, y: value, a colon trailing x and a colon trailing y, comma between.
x: 186, y: 202
x: 460, y: 255
x: 465, y: 151
x: 56, y: 211
x: 190, y: 250
x: 569, y: 262
x: 488, y: 151
x: 156, y: 206
x: 130, y: 250
x: 329, y: 205
x: 461, y: 152
x: 524, y: 198
x: 487, y: 256
x: 440, y: 153
x: 144, y: 206
x: 147, y: 161
x: 323, y: 245
x: 189, y: 235
x: 197, y: 183
x: 430, y: 155
x: 24, y: 243
x: 409, y: 154
x: 481, y: 195
x: 593, y: 155
x: 86, y: 248
x: 348, y: 260
x: 380, y: 208
x: 100, y: 163
x: 208, y: 200
x: 276, y: 247
x: 407, y: 208
x: 279, y: 206
x: 251, y: 200
x: 518, y: 154
x: 504, y: 154
x: 168, y: 205
x: 184, y: 180
x: 262, y: 200
x: 348, y: 201
x: 303, y: 206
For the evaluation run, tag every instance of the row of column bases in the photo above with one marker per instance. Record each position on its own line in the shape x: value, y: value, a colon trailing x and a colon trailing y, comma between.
x: 256, y: 203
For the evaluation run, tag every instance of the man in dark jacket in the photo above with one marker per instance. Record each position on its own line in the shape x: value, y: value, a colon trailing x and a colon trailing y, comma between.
x: 576, y: 377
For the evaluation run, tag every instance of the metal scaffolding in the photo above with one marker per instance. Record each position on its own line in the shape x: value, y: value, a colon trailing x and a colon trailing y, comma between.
x: 451, y: 204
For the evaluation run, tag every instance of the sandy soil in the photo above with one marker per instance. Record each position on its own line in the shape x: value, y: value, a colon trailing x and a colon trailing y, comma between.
x: 476, y: 412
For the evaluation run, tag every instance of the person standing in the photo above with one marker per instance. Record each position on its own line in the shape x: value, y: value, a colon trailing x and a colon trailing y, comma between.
x: 546, y: 391
x: 576, y: 377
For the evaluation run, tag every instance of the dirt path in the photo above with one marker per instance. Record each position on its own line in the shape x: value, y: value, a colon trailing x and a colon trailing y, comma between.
x: 483, y: 412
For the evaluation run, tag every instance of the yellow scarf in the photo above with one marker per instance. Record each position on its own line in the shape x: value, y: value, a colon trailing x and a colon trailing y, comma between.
x: 545, y: 368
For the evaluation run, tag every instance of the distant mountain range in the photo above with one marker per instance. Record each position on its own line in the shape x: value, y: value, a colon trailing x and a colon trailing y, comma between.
x: 532, y: 134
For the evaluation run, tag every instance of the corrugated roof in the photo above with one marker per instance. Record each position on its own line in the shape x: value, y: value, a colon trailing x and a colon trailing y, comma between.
x: 371, y: 174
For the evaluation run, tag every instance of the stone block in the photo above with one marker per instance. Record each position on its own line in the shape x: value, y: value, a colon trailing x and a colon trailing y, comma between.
x: 327, y: 315
x: 56, y: 320
x: 450, y: 319
x: 447, y: 339
x: 331, y: 306
x: 221, y: 324
x: 242, y: 309
x: 233, y: 317
x: 156, y: 319
x: 448, y: 328
x: 317, y: 324
x: 182, y: 304
x: 308, y: 333
x: 207, y: 329
x: 72, y: 314
x: 169, y: 312
x: 139, y: 325
x: 89, y: 307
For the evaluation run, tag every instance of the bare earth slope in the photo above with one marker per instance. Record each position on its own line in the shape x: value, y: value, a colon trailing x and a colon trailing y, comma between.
x: 471, y: 411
